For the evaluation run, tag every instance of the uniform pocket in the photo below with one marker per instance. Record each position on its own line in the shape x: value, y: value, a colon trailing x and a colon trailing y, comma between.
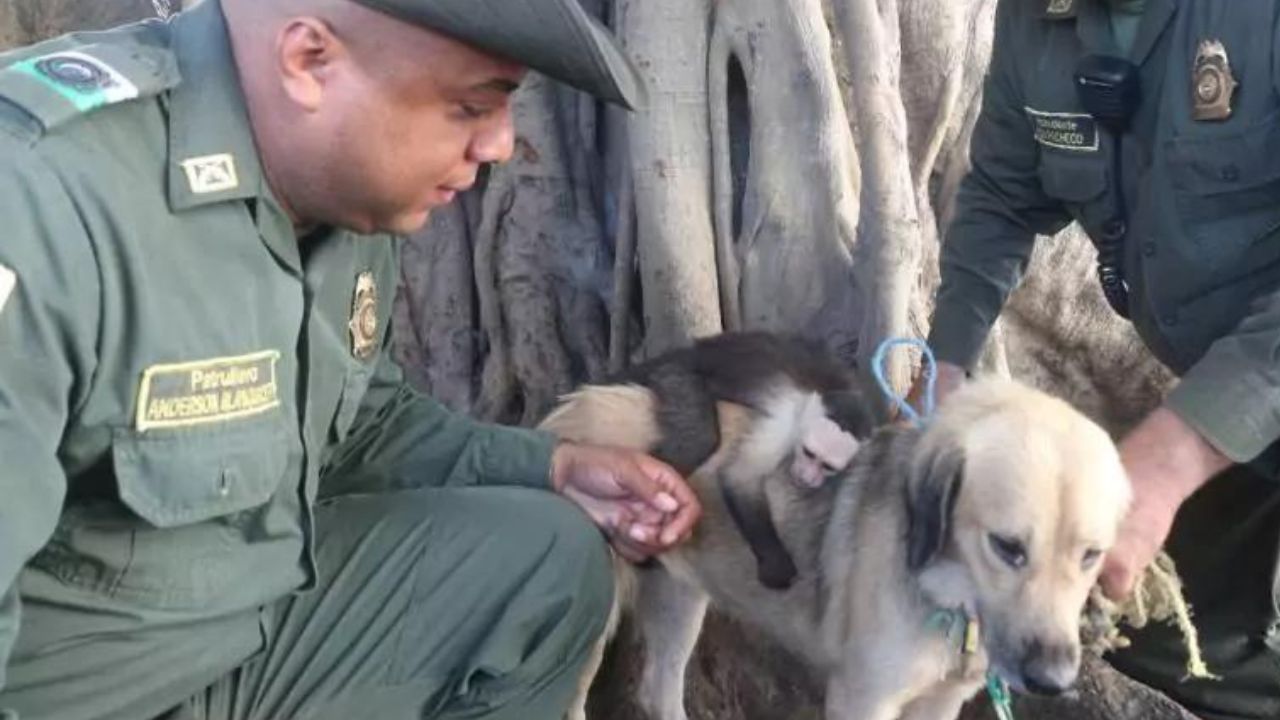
x: 188, y: 475
x: 1073, y: 179
x: 1227, y: 189
x: 354, y: 384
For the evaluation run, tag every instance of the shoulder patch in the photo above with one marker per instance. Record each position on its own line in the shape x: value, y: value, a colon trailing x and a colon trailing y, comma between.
x: 8, y: 281
x: 58, y: 86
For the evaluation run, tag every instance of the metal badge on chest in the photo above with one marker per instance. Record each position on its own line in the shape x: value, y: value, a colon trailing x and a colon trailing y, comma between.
x: 364, y: 316
x: 1213, y: 85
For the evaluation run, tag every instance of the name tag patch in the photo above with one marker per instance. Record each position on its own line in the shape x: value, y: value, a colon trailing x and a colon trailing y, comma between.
x: 207, y: 391
x: 1066, y: 131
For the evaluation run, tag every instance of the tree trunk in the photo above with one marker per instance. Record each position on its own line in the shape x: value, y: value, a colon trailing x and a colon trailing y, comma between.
x: 27, y: 21
x: 794, y: 170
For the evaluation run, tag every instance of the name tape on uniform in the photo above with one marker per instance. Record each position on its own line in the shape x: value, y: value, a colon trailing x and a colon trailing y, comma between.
x: 207, y: 391
x: 8, y: 281
x: 1066, y: 131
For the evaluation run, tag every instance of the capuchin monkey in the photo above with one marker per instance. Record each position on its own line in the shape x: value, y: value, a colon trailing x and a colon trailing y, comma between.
x: 808, y: 417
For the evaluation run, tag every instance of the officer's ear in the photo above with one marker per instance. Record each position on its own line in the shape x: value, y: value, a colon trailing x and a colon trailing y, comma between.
x: 307, y: 51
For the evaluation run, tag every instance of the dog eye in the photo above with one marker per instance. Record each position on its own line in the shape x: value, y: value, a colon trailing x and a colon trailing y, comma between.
x: 1090, y: 557
x: 1012, y: 551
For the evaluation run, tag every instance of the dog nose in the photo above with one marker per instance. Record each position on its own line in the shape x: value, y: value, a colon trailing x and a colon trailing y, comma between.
x: 1050, y: 669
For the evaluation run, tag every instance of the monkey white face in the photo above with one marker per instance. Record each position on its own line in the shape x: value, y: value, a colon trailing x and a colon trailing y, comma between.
x: 824, y: 450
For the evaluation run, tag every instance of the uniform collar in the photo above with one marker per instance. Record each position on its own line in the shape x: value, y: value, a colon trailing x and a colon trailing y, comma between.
x: 1094, y: 24
x: 212, y: 155
x: 1155, y: 18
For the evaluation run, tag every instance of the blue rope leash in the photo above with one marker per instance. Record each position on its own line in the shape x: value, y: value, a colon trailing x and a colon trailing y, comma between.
x: 947, y: 620
x: 930, y: 376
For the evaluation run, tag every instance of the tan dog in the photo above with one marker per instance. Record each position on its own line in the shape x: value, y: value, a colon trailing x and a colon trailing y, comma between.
x: 998, y: 511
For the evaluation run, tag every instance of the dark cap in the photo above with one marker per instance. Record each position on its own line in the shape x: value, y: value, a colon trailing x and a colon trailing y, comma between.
x: 555, y: 37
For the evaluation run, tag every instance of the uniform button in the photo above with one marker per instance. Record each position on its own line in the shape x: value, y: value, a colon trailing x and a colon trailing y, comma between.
x: 1149, y: 249
x: 1229, y: 173
x: 1113, y: 228
x: 1170, y: 319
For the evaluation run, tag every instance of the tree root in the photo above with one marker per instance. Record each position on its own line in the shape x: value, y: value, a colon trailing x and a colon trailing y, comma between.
x: 497, y: 378
x: 624, y: 273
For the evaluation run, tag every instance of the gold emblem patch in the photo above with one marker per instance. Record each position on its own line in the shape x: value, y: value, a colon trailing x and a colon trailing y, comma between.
x: 364, y: 317
x: 211, y: 173
x: 1212, y: 84
x: 207, y: 391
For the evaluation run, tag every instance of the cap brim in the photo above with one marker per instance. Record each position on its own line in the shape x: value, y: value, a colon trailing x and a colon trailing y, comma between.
x: 555, y: 37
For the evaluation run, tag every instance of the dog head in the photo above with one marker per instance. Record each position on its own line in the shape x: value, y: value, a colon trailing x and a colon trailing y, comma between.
x: 1013, y: 500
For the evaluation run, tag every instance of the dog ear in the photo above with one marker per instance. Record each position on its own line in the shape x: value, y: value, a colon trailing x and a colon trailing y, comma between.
x: 932, y: 490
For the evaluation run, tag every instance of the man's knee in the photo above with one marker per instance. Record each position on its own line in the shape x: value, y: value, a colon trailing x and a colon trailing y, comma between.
x: 577, y: 555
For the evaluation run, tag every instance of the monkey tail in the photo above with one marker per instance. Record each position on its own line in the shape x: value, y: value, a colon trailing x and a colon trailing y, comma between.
x: 615, y: 415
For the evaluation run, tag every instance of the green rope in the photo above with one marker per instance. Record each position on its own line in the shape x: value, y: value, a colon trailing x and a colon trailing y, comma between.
x: 998, y: 690
x: 949, y: 620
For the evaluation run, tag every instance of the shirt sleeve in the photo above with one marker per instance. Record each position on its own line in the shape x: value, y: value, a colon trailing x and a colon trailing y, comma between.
x: 48, y: 334
x: 1232, y: 395
x: 404, y: 438
x: 1000, y: 208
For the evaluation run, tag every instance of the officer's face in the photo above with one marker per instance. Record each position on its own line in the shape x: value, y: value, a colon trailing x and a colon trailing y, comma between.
x: 401, y: 128
x: 425, y: 132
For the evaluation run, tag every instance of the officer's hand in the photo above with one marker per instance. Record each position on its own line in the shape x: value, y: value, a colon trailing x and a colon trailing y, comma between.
x: 1167, y: 460
x: 643, y: 504
x: 950, y: 378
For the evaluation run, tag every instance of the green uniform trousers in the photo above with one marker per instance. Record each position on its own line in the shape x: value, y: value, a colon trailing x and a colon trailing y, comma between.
x: 1225, y: 541
x: 475, y: 602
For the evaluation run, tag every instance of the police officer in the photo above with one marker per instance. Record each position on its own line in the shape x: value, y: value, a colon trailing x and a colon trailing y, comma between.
x: 218, y: 497
x: 1155, y: 124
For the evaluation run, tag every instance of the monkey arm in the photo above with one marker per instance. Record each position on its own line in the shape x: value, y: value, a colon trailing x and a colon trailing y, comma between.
x: 748, y: 505
x: 755, y: 457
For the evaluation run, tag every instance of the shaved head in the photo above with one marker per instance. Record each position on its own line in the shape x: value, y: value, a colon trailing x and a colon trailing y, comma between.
x: 378, y: 41
x: 362, y: 120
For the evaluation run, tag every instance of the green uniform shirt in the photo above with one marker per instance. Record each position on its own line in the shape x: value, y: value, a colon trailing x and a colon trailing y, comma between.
x: 180, y: 378
x: 1126, y: 17
x: 1203, y: 251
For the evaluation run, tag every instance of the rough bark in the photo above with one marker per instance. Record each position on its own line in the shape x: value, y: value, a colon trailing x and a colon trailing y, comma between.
x: 670, y: 168
x: 889, y: 226
x: 787, y: 258
x: 435, y: 309
x: 542, y: 268
x: 1062, y: 336
x: 27, y: 21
